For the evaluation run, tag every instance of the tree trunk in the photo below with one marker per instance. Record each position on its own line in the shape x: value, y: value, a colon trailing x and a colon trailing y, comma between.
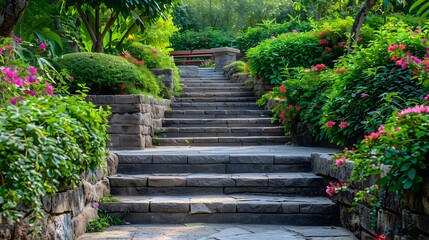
x: 98, y: 45
x: 10, y: 15
x: 360, y: 18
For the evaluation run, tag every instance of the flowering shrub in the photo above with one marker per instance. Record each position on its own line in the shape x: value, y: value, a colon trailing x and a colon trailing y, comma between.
x: 369, y: 87
x: 209, y: 38
x: 153, y: 58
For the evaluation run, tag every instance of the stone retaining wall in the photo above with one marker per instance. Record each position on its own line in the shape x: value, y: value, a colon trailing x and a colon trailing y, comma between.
x: 402, y: 219
x: 134, y: 119
x: 67, y: 213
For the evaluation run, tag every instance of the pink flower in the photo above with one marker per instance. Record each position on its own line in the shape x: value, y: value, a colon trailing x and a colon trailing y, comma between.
x: 42, y: 46
x: 295, y: 31
x: 13, y: 101
x: 17, y: 39
x: 373, y: 135
x: 401, y: 46
x: 340, y: 44
x: 324, y: 42
x: 273, y: 37
x: 33, y: 71
x: 282, y: 88
x: 417, y: 109
x: 340, y: 161
x: 424, y: 41
x: 95, y: 205
x: 31, y: 79
x: 328, y: 49
x: 9, y: 48
x: 330, y: 189
x: 380, y: 237
x: 381, y: 128
x: 321, y: 35
x: 298, y: 109
x: 290, y: 106
x: 282, y: 116
x: 343, y: 125
x: 392, y: 47
x: 1, y: 51
x: 319, y: 67
x: 416, y: 60
x: 330, y: 124
x: 71, y: 78
x: 49, y: 89
x: 426, y: 98
x: 364, y: 95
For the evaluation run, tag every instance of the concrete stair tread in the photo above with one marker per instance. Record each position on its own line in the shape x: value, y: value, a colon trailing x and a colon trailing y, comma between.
x: 217, y: 99
x: 218, y: 112
x: 281, y: 179
x: 220, y: 129
x: 233, y: 140
x: 225, y: 203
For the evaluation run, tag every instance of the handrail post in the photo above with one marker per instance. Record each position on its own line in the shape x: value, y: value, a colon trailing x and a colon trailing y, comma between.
x: 224, y: 56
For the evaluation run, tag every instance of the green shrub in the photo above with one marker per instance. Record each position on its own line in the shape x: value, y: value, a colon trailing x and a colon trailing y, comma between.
x: 46, y: 143
x: 371, y: 88
x: 209, y: 38
x: 153, y: 58
x: 272, y: 56
x: 103, y: 222
x: 107, y: 74
x: 239, y: 65
x: 253, y: 36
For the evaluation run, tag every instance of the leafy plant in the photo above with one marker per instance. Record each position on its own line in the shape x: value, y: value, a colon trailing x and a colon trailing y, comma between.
x: 103, y: 221
x: 209, y: 38
x: 108, y: 198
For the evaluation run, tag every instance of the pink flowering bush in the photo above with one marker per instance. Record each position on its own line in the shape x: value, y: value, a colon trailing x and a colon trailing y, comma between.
x: 370, y: 85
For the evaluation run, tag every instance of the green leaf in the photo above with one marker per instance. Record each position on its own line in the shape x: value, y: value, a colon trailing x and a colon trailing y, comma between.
x: 412, y: 173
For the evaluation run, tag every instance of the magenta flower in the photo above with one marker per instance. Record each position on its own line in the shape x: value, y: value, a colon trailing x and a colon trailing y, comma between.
x: 330, y: 124
x: 17, y: 39
x: 424, y: 41
x: 343, y: 70
x: 426, y: 98
x: 95, y: 205
x: 417, y: 109
x: 13, y: 101
x: 273, y: 37
x: 340, y: 161
x: 282, y: 88
x: 295, y: 31
x: 319, y: 67
x: 343, y: 125
x: 71, y: 78
x: 42, y: 46
x: 393, y: 47
x: 1, y: 51
x: 33, y: 71
x: 31, y: 79
x: 9, y: 48
x: 49, y: 89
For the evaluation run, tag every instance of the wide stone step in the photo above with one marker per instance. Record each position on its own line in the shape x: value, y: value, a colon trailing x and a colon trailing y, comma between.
x: 218, y: 122
x: 216, y: 94
x: 215, y: 106
x: 205, y: 80
x: 217, y: 113
x: 219, y: 131
x: 217, y: 99
x: 216, y: 89
x: 212, y: 84
x: 218, y: 159
x: 221, y: 141
x: 303, y: 184
x: 233, y: 208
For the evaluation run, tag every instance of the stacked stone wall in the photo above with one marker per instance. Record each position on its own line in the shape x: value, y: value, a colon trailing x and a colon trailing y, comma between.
x: 401, y: 219
x: 68, y: 212
x: 134, y: 119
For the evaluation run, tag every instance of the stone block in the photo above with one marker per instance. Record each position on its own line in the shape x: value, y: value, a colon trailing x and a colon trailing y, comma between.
x: 112, y: 164
x: 250, y: 179
x: 126, y: 118
x: 166, y: 205
x: 251, y: 159
x: 317, y: 208
x: 105, y: 99
x: 77, y: 201
x: 171, y: 159
x: 129, y: 99
x: 133, y: 159
x: 210, y: 180
x: 290, y: 208
x: 167, y: 181
x: 148, y: 142
x: 124, y: 129
x: 79, y: 223
x: 250, y: 206
x: 208, y: 159
x: 129, y: 181
x: 212, y: 205
x: 102, y: 188
x: 63, y: 226
x: 89, y: 192
x: 61, y: 202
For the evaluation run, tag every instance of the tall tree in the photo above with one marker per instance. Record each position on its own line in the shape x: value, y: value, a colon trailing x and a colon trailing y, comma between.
x: 92, y: 13
x: 361, y: 16
x: 10, y: 14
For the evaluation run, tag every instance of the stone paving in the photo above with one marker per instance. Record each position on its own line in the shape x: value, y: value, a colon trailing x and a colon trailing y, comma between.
x: 199, y: 231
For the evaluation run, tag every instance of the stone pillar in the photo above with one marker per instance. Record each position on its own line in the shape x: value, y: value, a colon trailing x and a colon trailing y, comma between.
x: 188, y: 71
x: 224, y: 56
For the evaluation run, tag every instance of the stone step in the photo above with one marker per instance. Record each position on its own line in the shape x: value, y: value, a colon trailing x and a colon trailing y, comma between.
x: 212, y: 84
x: 175, y: 132
x: 303, y: 184
x: 216, y: 89
x: 143, y: 162
x: 232, y: 208
x: 217, y: 113
x: 205, y: 80
x: 221, y: 141
x: 216, y: 94
x: 218, y: 122
x: 217, y: 99
x: 215, y: 105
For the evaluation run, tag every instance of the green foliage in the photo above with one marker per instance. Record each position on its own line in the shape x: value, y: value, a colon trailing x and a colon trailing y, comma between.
x: 158, y: 34
x: 45, y: 144
x: 154, y: 58
x: 103, y: 222
x: 108, y: 198
x: 239, y: 65
x: 300, y: 99
x: 272, y: 56
x: 206, y: 39
x: 253, y: 35
x: 372, y: 88
x: 107, y: 74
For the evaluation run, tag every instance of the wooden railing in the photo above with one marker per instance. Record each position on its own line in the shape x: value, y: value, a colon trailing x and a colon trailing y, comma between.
x: 192, y: 57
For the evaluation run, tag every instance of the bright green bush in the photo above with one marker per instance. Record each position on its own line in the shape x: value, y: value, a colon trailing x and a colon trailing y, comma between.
x: 209, y: 38
x: 272, y: 56
x: 239, y: 65
x: 46, y: 143
x: 153, y: 58
x: 371, y: 88
x: 253, y: 36
x: 107, y: 74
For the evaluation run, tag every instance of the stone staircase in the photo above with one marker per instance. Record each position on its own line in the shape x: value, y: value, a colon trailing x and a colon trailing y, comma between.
x: 214, y: 111
x: 252, y: 184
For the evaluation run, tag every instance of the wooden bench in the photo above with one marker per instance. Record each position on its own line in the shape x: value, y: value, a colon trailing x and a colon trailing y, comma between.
x: 194, y: 57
